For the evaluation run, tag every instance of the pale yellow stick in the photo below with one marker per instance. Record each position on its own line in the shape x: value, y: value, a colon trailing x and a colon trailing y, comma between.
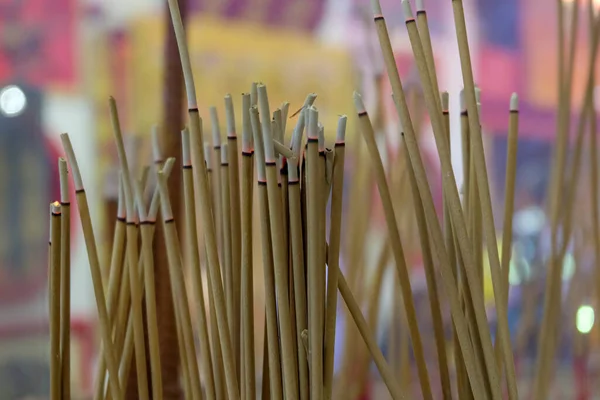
x: 276, y: 392
x: 226, y: 218
x: 194, y: 260
x: 333, y: 261
x: 177, y: 281
x: 54, y: 276
x: 236, y: 245
x: 298, y: 272
x: 247, y: 253
x: 90, y: 242
x: 216, y: 181
x: 423, y: 26
x: 65, y: 280
x: 509, y: 200
x: 290, y: 379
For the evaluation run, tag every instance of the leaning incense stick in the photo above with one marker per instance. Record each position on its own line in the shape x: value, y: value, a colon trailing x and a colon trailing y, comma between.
x: 54, y: 276
x: 268, y: 264
x: 177, y: 280
x: 509, y: 201
x: 65, y: 279
x: 296, y: 143
x: 90, y: 241
x: 247, y: 253
x: 132, y: 233
x: 334, y: 255
x: 396, y: 245
x: 298, y: 272
x: 315, y: 297
x: 282, y: 149
x: 279, y: 252
x: 236, y: 245
x: 423, y: 27
x: 226, y: 218
x: 204, y: 203
x: 194, y: 260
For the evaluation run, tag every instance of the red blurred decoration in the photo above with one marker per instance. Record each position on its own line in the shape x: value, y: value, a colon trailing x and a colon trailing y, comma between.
x: 37, y: 41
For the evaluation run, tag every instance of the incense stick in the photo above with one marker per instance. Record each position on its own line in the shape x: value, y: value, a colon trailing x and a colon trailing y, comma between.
x: 194, y: 260
x: 55, y: 317
x: 90, y: 242
x: 268, y: 264
x: 65, y: 279
x: 177, y: 280
x: 216, y: 182
x: 226, y: 217
x: 236, y: 245
x: 279, y: 252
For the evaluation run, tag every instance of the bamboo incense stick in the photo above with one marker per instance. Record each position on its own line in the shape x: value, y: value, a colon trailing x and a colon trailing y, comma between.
x: 274, y: 365
x: 65, y: 279
x: 509, y: 201
x: 282, y: 149
x: 132, y: 233
x: 215, y: 343
x: 236, y: 245
x: 458, y: 222
x: 226, y: 218
x: 396, y: 245
x: 333, y: 255
x: 298, y: 272
x: 279, y: 252
x: 315, y: 297
x: 177, y: 280
x: 90, y: 241
x: 296, y: 143
x: 216, y: 183
x: 423, y: 27
x: 194, y: 260
x: 55, y: 317
x: 247, y: 253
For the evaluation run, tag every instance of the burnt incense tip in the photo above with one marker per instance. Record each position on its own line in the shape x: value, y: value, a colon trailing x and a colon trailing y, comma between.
x: 64, y: 180
x: 216, y: 130
x: 156, y: 153
x: 55, y: 208
x: 359, y: 105
x: 185, y: 147
x: 224, y: 155
x: 407, y: 10
x: 420, y: 5
x: 477, y: 94
x: 463, y: 103
x: 208, y: 155
x: 514, y: 102
x: 445, y: 100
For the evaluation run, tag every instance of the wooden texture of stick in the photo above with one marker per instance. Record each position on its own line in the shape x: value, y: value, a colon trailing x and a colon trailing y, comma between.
x: 179, y: 289
x: 509, y: 199
x: 236, y: 245
x: 290, y: 379
x: 226, y: 218
x: 55, y: 317
x: 194, y: 260
x: 247, y: 294
x: 90, y: 242
x: 132, y: 233
x: 276, y: 391
x: 216, y: 182
x: 65, y: 280
x: 333, y: 261
x: 396, y: 245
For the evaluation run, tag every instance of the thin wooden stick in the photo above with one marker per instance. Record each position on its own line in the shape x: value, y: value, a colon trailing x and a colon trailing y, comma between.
x: 216, y: 182
x: 236, y: 245
x: 279, y: 252
x: 55, y: 281
x: 423, y: 27
x: 194, y: 259
x: 132, y: 232
x: 65, y: 280
x: 226, y: 217
x: 333, y: 259
x: 396, y: 245
x: 90, y: 242
x: 177, y: 280
x: 509, y: 201
x: 247, y: 253
x: 268, y: 264
x: 298, y: 272
x: 457, y: 217
x: 215, y: 343
x: 315, y: 297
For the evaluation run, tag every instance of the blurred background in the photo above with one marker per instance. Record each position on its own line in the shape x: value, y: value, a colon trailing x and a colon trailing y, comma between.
x: 60, y: 60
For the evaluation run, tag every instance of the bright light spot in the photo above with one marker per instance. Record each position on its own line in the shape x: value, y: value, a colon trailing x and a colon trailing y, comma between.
x: 529, y: 221
x: 12, y: 101
x: 568, y: 267
x: 584, y: 319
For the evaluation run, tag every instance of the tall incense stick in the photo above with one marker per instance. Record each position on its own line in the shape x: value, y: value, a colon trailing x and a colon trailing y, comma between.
x: 54, y: 276
x: 65, y: 279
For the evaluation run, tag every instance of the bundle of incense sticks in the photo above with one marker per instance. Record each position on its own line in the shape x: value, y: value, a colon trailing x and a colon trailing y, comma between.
x: 294, y: 185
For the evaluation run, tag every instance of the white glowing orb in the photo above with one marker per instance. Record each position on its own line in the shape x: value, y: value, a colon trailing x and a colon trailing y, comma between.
x: 12, y: 101
x: 584, y: 320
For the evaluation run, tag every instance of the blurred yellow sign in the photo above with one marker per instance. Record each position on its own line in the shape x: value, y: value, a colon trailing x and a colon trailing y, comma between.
x: 228, y: 56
